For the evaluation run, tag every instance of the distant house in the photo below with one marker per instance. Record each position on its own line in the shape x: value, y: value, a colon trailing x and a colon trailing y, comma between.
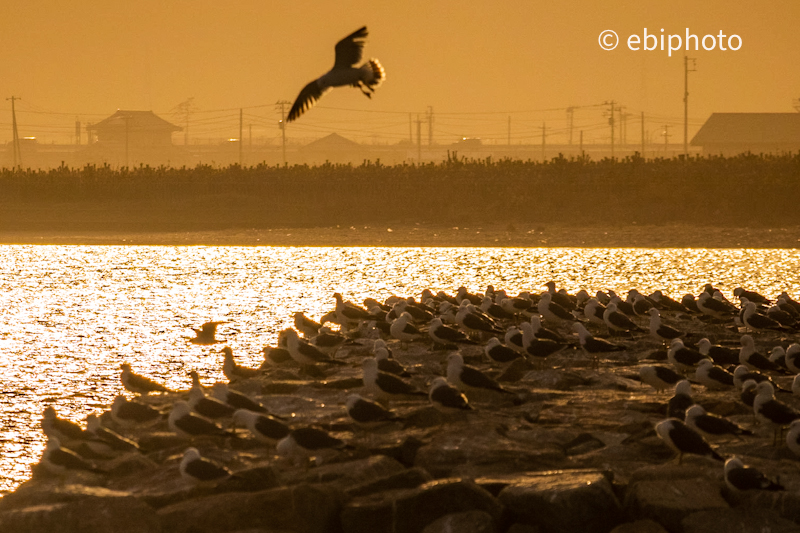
x: 136, y: 128
x: 132, y: 138
x: 735, y: 133
x: 335, y: 149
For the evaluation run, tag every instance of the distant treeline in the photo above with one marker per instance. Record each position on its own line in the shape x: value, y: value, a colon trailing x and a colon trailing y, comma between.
x: 743, y: 191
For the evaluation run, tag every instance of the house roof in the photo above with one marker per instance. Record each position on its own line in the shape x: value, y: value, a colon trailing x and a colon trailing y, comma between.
x: 749, y: 128
x: 140, y: 120
x: 334, y: 141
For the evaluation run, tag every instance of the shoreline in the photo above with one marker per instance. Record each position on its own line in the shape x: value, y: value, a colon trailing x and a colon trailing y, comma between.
x: 506, y: 236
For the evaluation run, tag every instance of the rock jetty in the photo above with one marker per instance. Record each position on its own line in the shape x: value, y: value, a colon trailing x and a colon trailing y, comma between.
x: 567, y: 444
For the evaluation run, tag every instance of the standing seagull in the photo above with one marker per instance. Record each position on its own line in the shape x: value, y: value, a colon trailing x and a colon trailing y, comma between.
x: 712, y: 376
x: 660, y: 331
x: 771, y: 411
x: 201, y: 471
x: 682, y: 358
x: 684, y: 439
x: 617, y: 322
x: 344, y: 73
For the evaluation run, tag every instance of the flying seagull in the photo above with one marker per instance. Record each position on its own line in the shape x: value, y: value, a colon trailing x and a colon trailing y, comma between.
x: 344, y: 73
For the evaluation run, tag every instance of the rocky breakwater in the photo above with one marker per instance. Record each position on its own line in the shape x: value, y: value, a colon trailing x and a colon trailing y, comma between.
x: 567, y: 445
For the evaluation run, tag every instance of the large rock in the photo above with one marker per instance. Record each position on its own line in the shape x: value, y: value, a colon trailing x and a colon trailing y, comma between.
x: 302, y: 509
x: 466, y: 522
x: 405, y: 479
x: 738, y: 520
x: 349, y: 473
x: 479, y: 452
x: 411, y: 510
x: 563, y: 501
x: 670, y: 501
x: 78, y: 509
x: 639, y: 526
x: 785, y: 503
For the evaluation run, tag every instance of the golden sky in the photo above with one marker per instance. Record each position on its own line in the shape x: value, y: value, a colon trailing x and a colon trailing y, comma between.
x: 87, y: 58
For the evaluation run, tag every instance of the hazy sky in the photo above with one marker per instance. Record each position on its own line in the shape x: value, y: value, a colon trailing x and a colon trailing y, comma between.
x: 91, y: 57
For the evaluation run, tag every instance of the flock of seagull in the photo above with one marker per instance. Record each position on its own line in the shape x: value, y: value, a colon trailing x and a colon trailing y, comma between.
x: 527, y: 326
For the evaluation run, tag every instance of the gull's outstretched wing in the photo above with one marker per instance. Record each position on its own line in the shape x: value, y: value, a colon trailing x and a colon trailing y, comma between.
x: 307, y: 98
x: 348, y: 50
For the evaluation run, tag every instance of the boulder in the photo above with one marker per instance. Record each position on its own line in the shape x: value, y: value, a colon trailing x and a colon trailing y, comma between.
x: 668, y: 501
x: 80, y: 510
x: 405, y: 479
x: 477, y: 452
x: 738, y: 520
x: 466, y: 522
x: 411, y: 510
x: 348, y: 474
x: 563, y: 501
x: 639, y: 526
x: 302, y: 509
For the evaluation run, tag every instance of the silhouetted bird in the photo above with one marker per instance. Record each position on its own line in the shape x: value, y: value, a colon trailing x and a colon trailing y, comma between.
x: 206, y: 333
x: 344, y: 73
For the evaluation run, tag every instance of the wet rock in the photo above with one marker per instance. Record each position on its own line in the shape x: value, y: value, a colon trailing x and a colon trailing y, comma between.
x: 554, y: 379
x: 301, y: 509
x: 583, y: 443
x: 281, y: 387
x: 640, y: 526
x: 785, y: 503
x: 739, y: 520
x: 350, y: 473
x: 77, y: 509
x: 515, y: 371
x: 563, y: 501
x: 431, y: 417
x: 405, y: 479
x: 668, y: 501
x: 152, y: 442
x: 466, y: 522
x: 411, y: 510
x: 523, y: 528
x: 341, y: 384
x: 476, y: 453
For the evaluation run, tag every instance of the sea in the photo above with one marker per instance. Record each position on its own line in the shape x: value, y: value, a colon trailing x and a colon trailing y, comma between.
x: 70, y: 315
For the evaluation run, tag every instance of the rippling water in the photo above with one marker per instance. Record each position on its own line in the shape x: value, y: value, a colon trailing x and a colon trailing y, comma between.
x: 69, y: 315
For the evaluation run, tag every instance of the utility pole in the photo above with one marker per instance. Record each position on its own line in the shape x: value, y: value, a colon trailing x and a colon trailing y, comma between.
x: 127, y: 119
x: 509, y: 130
x: 241, y: 141
x: 15, y: 134
x: 419, y: 140
x: 570, y: 115
x: 623, y: 127
x: 581, y: 141
x: 686, y: 71
x: 77, y: 131
x: 666, y: 138
x: 430, y: 125
x: 544, y: 136
x: 410, y: 130
x: 611, y: 123
x: 642, y: 134
x: 283, y: 104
